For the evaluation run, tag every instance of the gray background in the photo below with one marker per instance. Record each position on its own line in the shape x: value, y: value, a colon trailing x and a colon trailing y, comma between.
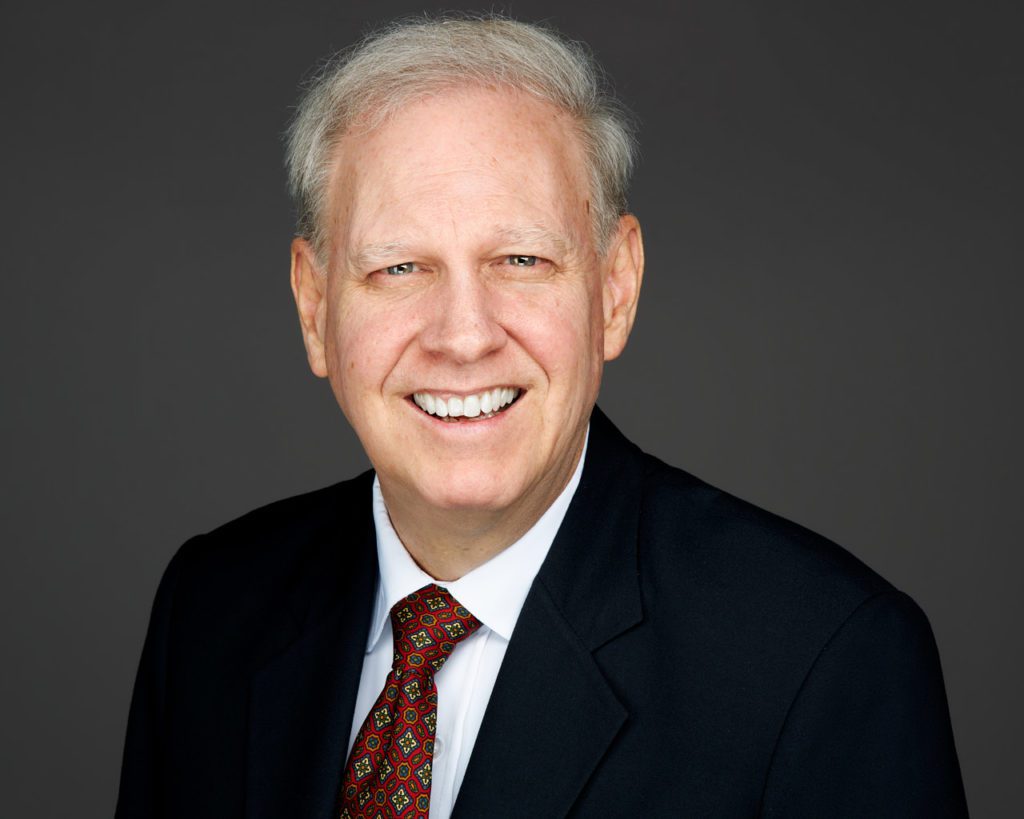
x: 829, y: 328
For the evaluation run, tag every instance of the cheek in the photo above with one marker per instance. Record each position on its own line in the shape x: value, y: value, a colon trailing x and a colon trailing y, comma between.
x: 564, y: 333
x: 359, y: 351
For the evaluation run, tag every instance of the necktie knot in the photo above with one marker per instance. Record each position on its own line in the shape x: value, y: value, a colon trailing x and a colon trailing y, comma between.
x: 426, y: 626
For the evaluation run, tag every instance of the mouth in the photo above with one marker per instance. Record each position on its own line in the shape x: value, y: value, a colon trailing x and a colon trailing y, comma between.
x: 462, y: 408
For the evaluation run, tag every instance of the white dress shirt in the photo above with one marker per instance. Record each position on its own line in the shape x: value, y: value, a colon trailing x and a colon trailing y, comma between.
x: 494, y: 593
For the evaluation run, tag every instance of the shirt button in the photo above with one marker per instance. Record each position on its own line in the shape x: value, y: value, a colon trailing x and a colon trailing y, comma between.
x: 438, y: 748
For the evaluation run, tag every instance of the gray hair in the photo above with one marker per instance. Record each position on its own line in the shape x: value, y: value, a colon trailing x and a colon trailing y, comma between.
x: 412, y: 58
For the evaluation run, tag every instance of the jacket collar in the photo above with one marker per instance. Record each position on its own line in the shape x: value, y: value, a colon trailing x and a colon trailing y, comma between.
x: 591, y: 572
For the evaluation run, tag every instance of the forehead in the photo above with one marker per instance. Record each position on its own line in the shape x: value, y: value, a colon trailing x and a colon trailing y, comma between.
x: 470, y: 156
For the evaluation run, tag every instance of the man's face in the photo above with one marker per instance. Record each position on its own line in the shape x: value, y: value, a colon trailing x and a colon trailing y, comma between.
x: 465, y: 313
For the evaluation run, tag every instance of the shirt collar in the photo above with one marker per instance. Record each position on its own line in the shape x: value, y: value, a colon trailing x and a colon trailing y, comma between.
x: 494, y: 592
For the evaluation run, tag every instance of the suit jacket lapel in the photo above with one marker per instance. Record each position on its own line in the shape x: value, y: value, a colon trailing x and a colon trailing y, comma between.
x: 552, y: 714
x: 301, y: 702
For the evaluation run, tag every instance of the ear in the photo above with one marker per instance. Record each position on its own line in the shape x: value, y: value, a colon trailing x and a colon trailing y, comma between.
x: 309, y: 286
x: 621, y: 286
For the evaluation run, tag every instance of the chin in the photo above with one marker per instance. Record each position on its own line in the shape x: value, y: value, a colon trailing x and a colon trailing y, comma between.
x: 483, y: 492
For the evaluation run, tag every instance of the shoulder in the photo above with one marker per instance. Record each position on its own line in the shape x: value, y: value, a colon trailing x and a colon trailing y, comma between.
x: 706, y: 554
x: 281, y: 530
x: 765, y: 606
x: 743, y: 565
x: 728, y: 532
x: 282, y: 556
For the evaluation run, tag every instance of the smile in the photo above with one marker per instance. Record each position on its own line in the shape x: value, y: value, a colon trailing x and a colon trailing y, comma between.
x: 479, y: 405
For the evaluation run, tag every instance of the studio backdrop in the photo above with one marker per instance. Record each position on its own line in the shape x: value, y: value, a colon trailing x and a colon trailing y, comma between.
x: 831, y: 201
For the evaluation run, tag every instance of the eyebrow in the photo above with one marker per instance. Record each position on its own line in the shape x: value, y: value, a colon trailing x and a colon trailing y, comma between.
x: 531, y: 236
x: 373, y: 254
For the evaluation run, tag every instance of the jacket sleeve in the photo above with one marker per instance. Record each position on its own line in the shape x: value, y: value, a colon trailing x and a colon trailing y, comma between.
x: 140, y: 790
x: 869, y: 733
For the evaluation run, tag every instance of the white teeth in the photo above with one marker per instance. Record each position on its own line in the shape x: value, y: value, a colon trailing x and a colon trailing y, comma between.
x: 483, y: 404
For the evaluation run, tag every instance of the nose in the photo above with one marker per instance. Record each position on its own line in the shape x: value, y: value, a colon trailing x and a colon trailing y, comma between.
x: 463, y: 324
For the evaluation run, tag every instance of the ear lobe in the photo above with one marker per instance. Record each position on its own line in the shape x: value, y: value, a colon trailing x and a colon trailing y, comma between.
x: 308, y: 288
x: 621, y: 290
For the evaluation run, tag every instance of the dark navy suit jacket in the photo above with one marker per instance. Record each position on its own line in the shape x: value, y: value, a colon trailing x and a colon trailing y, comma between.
x: 680, y: 654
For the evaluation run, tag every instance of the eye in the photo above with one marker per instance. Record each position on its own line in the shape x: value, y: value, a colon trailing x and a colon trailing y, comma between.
x: 402, y: 269
x: 522, y: 261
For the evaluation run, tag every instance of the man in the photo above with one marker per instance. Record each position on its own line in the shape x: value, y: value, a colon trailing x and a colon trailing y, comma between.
x: 517, y: 613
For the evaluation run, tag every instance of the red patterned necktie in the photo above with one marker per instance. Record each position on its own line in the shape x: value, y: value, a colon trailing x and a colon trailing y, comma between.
x: 389, y: 770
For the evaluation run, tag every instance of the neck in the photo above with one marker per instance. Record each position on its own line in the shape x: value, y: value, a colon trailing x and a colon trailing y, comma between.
x: 450, y: 543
